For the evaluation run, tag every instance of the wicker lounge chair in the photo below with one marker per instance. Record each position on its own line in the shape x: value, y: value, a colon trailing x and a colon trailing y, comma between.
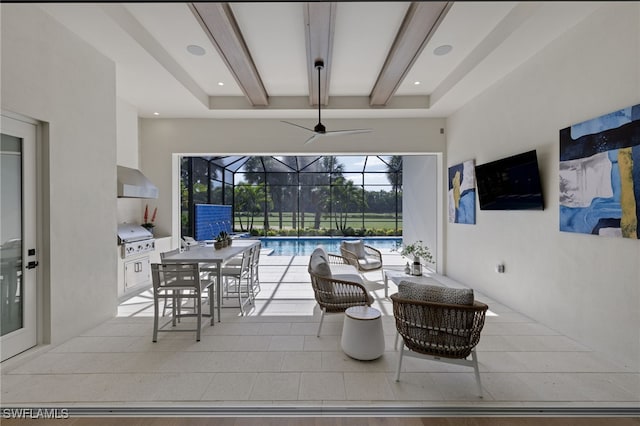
x: 364, y: 257
x: 336, y: 284
x: 439, y: 331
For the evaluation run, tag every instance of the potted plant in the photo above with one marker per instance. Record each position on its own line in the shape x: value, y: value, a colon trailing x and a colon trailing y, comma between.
x: 223, y: 237
x: 149, y: 225
x: 418, y: 251
x: 217, y: 244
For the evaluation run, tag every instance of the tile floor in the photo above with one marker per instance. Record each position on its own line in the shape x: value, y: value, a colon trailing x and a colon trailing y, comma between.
x: 272, y: 357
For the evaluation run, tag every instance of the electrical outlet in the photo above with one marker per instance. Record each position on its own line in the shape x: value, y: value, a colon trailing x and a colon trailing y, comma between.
x: 500, y: 268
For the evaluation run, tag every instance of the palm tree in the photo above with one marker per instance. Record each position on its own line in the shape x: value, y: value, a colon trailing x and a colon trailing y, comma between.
x: 250, y: 201
x: 346, y: 197
x: 285, y: 185
x: 394, y: 175
x: 253, y: 170
x: 394, y: 172
x: 327, y: 169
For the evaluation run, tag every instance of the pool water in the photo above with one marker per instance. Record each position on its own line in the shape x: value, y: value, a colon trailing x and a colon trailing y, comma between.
x: 305, y: 246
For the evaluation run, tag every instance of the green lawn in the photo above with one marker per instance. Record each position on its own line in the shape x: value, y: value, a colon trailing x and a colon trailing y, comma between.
x: 371, y: 221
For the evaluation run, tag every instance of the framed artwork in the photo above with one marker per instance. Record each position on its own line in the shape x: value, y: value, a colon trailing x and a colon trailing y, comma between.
x: 462, y: 193
x: 600, y: 175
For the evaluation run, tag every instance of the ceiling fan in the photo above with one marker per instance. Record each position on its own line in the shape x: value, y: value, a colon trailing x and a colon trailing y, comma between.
x: 320, y: 130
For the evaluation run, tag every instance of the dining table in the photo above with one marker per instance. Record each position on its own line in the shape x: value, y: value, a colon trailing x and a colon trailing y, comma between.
x: 207, y: 254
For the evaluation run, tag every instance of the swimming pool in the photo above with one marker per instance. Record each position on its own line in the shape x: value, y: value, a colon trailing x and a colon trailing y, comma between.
x: 292, y: 246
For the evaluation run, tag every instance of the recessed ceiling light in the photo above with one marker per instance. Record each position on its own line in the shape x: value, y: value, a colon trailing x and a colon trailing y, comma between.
x: 220, y: 83
x: 417, y: 83
x: 156, y: 113
x: 194, y: 49
x: 442, y: 50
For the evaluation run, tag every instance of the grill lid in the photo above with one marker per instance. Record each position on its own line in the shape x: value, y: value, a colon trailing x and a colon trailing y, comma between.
x: 128, y: 232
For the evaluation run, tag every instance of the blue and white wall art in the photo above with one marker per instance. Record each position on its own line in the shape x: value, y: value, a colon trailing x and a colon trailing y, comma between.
x: 462, y: 193
x: 600, y: 175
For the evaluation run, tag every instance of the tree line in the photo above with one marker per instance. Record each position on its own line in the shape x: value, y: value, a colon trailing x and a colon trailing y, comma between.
x: 320, y: 190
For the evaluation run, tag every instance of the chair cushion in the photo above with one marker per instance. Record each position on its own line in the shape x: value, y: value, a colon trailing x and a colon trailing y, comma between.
x: 320, y: 251
x: 369, y: 263
x: 339, y: 297
x: 354, y: 278
x: 341, y: 269
x: 319, y: 262
x: 431, y: 293
x: 356, y: 247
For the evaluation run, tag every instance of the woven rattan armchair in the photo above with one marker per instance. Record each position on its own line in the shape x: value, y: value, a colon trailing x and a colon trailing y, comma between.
x: 439, y: 331
x: 364, y: 257
x: 336, y: 293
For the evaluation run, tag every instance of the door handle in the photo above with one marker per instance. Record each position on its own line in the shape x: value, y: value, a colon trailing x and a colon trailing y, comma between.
x: 32, y: 265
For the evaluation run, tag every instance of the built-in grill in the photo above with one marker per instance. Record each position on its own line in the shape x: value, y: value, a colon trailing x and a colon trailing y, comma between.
x: 135, y: 239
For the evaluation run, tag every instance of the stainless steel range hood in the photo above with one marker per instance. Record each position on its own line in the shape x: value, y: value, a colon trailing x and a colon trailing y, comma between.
x: 133, y: 184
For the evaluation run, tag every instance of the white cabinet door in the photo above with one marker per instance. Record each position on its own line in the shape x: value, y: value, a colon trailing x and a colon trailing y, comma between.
x: 137, y: 272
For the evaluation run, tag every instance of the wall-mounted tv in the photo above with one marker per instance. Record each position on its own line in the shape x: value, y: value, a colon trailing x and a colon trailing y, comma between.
x: 511, y: 183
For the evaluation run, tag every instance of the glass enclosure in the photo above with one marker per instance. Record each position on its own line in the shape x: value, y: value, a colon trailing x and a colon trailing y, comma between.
x: 298, y: 195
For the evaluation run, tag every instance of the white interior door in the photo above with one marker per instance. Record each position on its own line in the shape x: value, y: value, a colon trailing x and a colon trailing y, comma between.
x: 18, y: 251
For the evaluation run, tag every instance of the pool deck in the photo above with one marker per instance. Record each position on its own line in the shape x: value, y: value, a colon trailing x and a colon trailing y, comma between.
x: 309, y: 243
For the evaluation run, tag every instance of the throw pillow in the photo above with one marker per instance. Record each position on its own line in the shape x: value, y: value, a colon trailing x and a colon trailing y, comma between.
x: 356, y: 247
x: 431, y: 293
x: 319, y: 264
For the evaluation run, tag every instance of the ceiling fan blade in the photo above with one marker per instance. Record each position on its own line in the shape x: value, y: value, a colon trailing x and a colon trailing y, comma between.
x: 347, y: 132
x: 313, y: 138
x: 337, y: 133
x: 297, y: 125
x: 320, y: 130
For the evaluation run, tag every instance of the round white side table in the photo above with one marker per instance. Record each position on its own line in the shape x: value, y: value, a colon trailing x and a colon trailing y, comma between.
x: 362, y: 336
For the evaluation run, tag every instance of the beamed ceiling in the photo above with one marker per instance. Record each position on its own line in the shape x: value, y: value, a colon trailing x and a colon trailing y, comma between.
x: 258, y: 57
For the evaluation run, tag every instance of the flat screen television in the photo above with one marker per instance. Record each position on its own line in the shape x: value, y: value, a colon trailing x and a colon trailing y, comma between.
x: 511, y: 183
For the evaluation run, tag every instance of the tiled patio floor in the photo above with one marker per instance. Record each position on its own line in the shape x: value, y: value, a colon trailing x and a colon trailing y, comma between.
x: 272, y: 357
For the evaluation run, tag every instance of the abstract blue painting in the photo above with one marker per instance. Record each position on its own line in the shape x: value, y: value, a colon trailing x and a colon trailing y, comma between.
x: 462, y: 193
x: 600, y: 175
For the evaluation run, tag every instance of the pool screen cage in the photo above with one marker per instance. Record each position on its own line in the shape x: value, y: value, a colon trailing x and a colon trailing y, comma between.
x: 297, y: 195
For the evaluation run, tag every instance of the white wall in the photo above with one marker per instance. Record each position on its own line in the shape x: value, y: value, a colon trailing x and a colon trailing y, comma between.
x: 422, y: 203
x: 581, y: 285
x: 127, y: 134
x: 49, y: 74
x: 128, y: 150
x: 160, y: 138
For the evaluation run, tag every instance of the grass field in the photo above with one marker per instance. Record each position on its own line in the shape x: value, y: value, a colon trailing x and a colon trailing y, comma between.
x: 354, y: 220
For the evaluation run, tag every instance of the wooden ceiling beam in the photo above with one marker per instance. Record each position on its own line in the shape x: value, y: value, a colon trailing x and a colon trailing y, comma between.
x: 219, y: 23
x: 319, y: 20
x: 419, y: 24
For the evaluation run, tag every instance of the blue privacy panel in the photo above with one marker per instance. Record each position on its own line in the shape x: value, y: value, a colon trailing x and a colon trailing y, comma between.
x: 211, y: 219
